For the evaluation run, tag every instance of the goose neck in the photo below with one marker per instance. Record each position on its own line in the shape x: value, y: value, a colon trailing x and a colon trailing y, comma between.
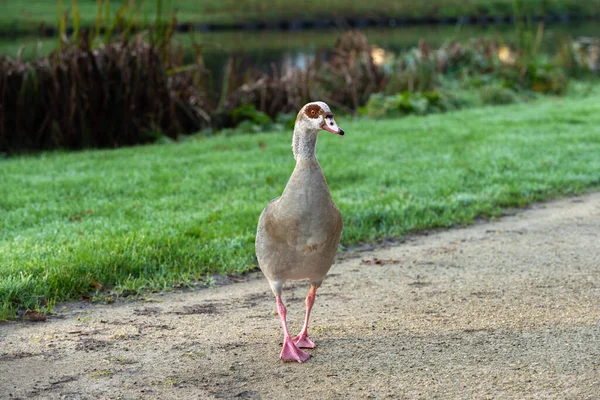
x: 304, y: 144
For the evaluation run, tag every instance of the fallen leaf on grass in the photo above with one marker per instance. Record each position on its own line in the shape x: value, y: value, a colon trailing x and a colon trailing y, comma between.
x: 34, y: 316
x: 236, y: 278
x: 97, y: 285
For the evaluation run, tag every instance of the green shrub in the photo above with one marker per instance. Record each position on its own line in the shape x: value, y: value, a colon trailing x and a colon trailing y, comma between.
x: 119, y: 94
x: 405, y: 103
x: 497, y: 95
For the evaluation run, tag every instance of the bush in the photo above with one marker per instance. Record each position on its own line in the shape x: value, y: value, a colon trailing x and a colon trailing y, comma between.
x: 497, y: 95
x: 345, y: 80
x: 119, y: 94
x: 400, y: 104
x: 350, y: 75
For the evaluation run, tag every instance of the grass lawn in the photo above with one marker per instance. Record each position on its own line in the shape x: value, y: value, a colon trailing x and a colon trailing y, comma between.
x: 29, y: 14
x: 153, y: 216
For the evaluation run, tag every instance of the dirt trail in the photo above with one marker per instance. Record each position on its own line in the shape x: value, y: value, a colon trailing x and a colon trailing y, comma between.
x: 507, y: 309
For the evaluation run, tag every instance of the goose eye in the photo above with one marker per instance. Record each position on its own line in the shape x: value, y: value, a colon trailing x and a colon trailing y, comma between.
x: 313, y: 112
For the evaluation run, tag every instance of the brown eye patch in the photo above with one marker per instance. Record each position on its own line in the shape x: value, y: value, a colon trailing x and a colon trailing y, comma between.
x: 312, y: 111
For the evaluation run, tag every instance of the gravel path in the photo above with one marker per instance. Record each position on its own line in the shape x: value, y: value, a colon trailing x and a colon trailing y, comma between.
x: 504, y: 309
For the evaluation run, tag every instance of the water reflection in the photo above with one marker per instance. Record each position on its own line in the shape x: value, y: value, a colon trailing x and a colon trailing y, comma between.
x: 299, y: 48
x: 264, y: 49
x: 299, y: 59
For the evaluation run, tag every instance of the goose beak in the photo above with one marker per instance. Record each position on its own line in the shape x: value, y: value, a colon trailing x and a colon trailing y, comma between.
x: 330, y: 125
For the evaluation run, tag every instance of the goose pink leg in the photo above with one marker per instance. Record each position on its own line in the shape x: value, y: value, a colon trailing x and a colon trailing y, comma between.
x: 290, y: 351
x: 302, y: 339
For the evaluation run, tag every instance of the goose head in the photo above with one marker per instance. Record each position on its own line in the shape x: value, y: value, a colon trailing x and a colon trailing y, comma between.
x: 317, y: 116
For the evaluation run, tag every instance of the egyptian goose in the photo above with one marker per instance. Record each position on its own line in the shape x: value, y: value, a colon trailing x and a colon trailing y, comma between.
x: 299, y: 232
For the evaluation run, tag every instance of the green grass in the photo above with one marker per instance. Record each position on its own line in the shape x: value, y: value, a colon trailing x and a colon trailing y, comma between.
x: 29, y: 14
x: 154, y: 216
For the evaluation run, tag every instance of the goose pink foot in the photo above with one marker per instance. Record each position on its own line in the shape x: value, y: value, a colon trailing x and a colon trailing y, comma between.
x: 302, y: 341
x: 291, y: 352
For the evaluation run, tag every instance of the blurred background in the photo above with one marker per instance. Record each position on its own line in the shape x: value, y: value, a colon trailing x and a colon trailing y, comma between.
x: 253, y: 62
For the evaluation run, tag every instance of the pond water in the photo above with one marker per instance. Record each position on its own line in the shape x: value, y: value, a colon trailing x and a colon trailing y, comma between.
x: 263, y: 49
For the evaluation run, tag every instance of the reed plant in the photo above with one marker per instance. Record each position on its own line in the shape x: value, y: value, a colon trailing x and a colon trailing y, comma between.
x: 102, y: 89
